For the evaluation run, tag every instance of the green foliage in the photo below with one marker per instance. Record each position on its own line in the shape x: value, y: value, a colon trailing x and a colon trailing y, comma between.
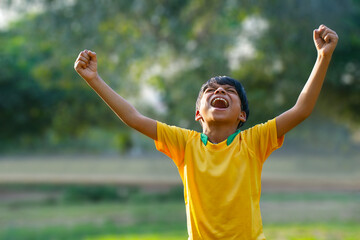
x: 75, y: 194
x: 91, y: 194
x: 175, y: 194
x: 157, y: 231
x: 108, y: 230
x: 173, y: 47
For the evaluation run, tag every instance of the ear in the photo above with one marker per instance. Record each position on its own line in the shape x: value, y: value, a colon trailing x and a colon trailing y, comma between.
x: 198, y: 117
x: 242, y: 116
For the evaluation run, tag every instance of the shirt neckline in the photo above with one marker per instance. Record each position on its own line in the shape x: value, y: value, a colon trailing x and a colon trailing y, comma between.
x: 230, y: 139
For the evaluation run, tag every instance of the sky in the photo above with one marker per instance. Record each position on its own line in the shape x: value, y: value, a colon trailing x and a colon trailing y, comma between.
x: 6, y: 16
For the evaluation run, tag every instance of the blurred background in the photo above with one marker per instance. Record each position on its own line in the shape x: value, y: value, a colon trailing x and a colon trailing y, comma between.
x: 70, y: 169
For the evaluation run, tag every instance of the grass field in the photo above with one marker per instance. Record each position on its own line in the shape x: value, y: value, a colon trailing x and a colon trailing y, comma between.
x: 161, y: 220
x: 316, y: 199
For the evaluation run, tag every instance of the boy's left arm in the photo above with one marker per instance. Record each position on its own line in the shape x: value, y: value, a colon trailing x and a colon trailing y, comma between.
x: 325, y: 41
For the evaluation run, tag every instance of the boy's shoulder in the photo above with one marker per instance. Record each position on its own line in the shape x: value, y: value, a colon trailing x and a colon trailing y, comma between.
x: 265, y: 125
x: 263, y: 138
x: 261, y: 130
x: 164, y: 128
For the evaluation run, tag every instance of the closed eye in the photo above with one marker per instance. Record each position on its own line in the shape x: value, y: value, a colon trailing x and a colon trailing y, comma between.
x: 209, y: 90
x: 231, y: 90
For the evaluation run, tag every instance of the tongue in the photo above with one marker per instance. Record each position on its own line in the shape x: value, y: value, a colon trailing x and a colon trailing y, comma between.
x: 219, y: 104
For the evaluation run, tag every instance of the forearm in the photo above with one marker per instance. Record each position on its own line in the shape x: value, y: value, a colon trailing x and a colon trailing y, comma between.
x: 86, y: 66
x: 123, y: 109
x: 310, y: 93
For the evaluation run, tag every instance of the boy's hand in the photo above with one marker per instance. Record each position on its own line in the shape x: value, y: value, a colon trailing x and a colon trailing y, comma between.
x: 86, y: 65
x: 325, y: 40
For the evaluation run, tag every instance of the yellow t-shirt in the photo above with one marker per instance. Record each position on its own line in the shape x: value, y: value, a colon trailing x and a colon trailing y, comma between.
x: 222, y: 183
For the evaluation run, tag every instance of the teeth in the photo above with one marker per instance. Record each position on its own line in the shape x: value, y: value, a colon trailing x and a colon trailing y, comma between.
x: 220, y: 99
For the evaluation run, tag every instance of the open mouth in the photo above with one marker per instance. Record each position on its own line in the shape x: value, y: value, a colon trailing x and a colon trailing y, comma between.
x: 219, y: 102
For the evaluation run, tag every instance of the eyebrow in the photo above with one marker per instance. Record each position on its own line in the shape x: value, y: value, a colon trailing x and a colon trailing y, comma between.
x: 226, y: 87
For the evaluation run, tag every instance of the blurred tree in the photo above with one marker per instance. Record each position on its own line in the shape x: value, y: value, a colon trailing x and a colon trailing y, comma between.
x: 288, y: 43
x: 157, y: 54
x: 23, y: 109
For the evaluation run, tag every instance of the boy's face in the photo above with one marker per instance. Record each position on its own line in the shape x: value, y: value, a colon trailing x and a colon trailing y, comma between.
x: 220, y: 104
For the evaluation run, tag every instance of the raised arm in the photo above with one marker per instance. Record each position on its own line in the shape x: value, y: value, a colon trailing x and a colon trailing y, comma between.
x: 86, y: 66
x: 325, y: 41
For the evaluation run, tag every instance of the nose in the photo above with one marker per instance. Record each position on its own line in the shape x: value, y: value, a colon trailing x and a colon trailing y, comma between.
x: 219, y: 90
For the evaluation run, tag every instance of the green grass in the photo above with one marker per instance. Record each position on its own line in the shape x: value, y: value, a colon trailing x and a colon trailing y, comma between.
x: 166, y: 220
x: 87, y: 221
x: 315, y: 231
x: 137, y: 236
x: 277, y: 232
x: 311, y: 196
x: 292, y: 215
x: 159, y: 230
x: 150, y: 231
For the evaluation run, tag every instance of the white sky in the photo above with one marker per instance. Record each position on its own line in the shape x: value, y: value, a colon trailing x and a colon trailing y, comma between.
x: 6, y: 16
x: 10, y: 14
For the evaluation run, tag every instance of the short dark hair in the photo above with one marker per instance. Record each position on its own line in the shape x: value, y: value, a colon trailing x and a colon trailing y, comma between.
x: 225, y: 80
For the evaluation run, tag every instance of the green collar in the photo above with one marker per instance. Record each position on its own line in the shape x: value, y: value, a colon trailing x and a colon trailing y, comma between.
x: 229, y: 140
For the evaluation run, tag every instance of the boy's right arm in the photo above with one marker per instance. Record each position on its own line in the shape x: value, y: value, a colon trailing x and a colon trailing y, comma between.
x: 86, y: 67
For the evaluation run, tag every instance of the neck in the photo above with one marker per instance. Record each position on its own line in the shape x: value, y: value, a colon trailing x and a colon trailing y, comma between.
x: 218, y: 133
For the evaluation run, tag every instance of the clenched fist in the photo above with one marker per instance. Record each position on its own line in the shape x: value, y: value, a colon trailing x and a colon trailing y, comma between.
x: 325, y: 40
x: 86, y: 65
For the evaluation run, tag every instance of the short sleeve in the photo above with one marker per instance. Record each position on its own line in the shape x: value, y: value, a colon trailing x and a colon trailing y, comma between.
x: 264, y: 140
x: 171, y: 140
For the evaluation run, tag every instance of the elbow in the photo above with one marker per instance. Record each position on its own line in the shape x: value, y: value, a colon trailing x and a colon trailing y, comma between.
x: 131, y: 118
x: 305, y: 115
x: 302, y: 112
x: 135, y: 120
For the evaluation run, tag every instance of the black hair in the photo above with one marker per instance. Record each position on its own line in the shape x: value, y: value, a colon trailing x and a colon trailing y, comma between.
x: 225, y: 80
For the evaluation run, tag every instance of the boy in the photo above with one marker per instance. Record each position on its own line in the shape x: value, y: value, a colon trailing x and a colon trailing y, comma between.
x: 220, y: 167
